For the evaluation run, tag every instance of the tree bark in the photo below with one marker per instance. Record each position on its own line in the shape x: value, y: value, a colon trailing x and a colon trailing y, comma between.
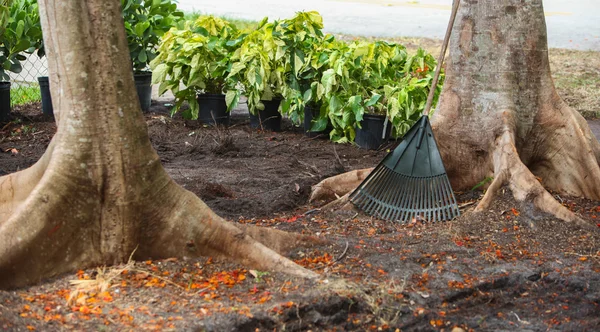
x: 99, y: 192
x: 499, y: 114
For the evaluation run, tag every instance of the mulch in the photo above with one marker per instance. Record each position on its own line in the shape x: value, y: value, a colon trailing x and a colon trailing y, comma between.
x: 508, y: 268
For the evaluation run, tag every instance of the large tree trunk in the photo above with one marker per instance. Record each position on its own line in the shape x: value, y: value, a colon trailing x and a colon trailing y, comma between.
x: 500, y: 116
x: 99, y: 192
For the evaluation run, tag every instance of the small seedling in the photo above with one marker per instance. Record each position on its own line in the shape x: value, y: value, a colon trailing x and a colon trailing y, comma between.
x: 483, y: 182
x: 258, y: 275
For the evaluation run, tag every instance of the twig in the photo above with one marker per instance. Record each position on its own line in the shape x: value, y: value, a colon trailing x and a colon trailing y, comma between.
x: 571, y: 253
x: 337, y: 156
x: 282, y: 285
x: 466, y: 204
x: 342, y: 255
x: 310, y: 211
x: 158, y: 277
x: 314, y: 168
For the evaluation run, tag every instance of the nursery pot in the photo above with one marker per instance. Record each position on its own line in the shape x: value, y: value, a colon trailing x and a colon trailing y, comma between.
x: 143, y: 85
x: 213, y: 109
x: 310, y: 112
x: 4, y: 101
x: 375, y: 130
x: 269, y: 118
x: 46, y: 98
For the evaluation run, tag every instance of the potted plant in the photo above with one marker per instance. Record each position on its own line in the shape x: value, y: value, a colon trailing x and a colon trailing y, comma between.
x: 19, y: 33
x: 374, y: 88
x: 406, y: 99
x: 146, y: 21
x: 306, y: 53
x: 194, y: 63
x: 259, y: 68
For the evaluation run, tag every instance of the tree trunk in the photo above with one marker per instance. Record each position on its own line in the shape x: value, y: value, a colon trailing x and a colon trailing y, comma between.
x: 499, y: 114
x: 99, y: 192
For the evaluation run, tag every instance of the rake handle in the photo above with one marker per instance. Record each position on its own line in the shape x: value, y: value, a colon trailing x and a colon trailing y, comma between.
x: 438, y: 68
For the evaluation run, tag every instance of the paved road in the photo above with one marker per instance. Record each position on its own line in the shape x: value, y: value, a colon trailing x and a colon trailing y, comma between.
x: 571, y: 23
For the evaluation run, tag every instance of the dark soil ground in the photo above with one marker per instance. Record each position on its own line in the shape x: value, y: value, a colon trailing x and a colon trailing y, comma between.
x: 506, y: 269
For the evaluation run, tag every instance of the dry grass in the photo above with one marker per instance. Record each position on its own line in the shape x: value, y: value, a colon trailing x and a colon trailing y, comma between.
x: 577, y: 78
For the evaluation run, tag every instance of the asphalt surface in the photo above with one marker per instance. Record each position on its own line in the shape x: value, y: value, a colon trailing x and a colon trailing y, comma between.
x: 573, y: 24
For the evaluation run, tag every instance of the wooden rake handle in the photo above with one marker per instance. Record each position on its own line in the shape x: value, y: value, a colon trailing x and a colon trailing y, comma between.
x: 438, y: 68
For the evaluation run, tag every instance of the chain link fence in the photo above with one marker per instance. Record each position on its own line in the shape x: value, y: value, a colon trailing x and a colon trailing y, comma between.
x: 24, y: 86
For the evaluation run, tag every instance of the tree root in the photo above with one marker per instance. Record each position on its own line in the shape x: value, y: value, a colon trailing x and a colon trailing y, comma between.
x: 339, y: 185
x: 277, y: 240
x: 510, y: 170
x: 16, y: 187
x: 191, y: 229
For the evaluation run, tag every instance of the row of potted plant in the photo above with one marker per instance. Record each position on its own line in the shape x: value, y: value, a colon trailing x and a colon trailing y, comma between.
x: 308, y: 74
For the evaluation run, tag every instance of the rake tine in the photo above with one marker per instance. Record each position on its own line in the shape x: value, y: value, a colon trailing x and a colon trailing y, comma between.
x: 437, y: 198
x: 399, y: 197
x: 373, y: 203
x: 417, y: 207
x: 429, y: 200
x: 373, y: 183
x: 449, y: 197
x: 412, y: 199
x: 405, y: 198
x: 387, y: 206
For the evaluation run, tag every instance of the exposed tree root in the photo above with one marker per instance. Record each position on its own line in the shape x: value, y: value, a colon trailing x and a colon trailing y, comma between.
x: 16, y: 187
x: 510, y: 170
x: 339, y: 185
x: 179, y: 225
x: 279, y: 241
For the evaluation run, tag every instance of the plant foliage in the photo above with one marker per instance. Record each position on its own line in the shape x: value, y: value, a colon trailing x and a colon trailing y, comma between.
x: 20, y: 32
x: 196, y: 59
x: 146, y: 21
x: 294, y: 60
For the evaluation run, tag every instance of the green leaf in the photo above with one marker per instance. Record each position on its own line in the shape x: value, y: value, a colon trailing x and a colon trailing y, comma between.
x: 16, y: 67
x: 141, y: 27
x: 21, y: 46
x: 373, y: 100
x: 335, y: 106
x: 298, y: 61
x: 319, y: 124
x: 307, y: 96
x: 328, y: 81
x: 142, y: 57
x: 232, y: 98
x: 159, y: 73
x: 19, y: 29
x: 194, y: 108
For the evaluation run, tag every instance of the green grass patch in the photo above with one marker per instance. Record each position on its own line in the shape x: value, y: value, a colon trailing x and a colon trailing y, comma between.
x: 25, y: 94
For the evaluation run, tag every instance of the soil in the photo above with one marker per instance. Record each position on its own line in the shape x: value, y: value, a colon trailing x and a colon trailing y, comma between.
x: 508, y: 268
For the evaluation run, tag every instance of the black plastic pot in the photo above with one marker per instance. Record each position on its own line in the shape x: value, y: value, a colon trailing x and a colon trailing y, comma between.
x: 46, y: 97
x: 213, y: 109
x: 4, y: 101
x: 310, y: 112
x: 143, y: 85
x: 372, y: 134
x: 269, y: 118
